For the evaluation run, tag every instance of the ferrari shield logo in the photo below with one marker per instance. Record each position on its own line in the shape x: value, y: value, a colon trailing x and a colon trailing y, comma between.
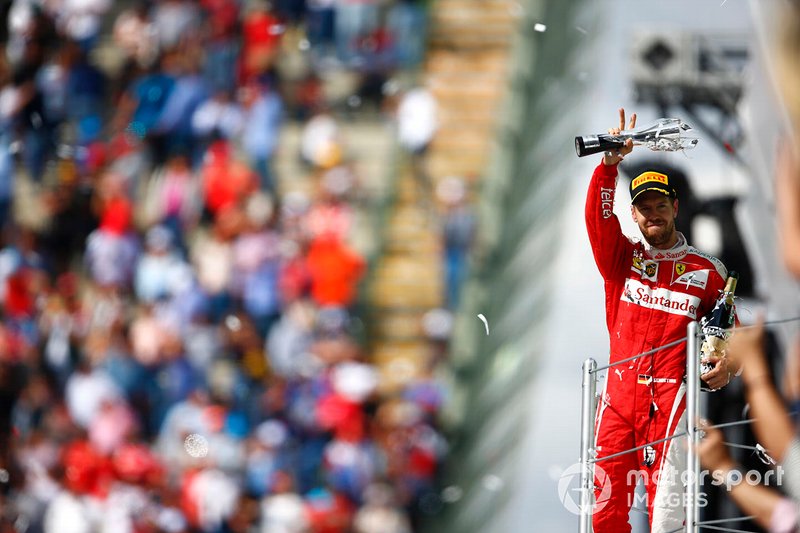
x: 680, y: 268
x: 650, y: 269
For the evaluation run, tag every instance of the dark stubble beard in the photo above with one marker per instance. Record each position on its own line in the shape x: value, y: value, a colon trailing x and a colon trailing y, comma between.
x: 662, y: 237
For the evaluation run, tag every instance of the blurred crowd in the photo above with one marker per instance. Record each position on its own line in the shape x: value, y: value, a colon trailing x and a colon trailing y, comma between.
x: 179, y: 345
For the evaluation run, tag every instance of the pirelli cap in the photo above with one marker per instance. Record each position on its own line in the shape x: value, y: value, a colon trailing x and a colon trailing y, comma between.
x: 651, y: 181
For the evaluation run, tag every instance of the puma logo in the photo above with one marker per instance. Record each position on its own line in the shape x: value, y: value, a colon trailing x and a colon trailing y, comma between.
x: 619, y: 372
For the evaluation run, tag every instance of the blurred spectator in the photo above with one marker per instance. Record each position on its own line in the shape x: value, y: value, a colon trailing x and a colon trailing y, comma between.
x: 283, y: 511
x: 158, y: 266
x: 406, y: 24
x: 772, y: 427
x: 261, y: 35
x: 320, y: 27
x: 171, y: 197
x: 459, y: 225
x: 772, y: 424
x: 354, y: 20
x: 332, y: 216
x: 328, y: 511
x: 263, y: 119
x: 81, y: 20
x: 208, y: 498
x: 136, y: 36
x: 175, y: 124
x: 416, y: 126
x: 174, y: 21
x: 220, y: 117
x: 321, y: 144
x: 381, y: 513
x: 140, y: 107
x: 290, y: 339
x: 256, y: 254
x: 222, y: 48
x: 7, y: 170
x: 225, y: 180
x: 112, y: 249
x: 87, y: 391
x: 335, y: 271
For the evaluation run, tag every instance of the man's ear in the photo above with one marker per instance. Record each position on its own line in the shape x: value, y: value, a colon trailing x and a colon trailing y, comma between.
x: 675, y: 206
x: 633, y: 212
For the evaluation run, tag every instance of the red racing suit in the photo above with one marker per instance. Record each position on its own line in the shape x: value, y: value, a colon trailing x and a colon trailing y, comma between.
x: 651, y: 296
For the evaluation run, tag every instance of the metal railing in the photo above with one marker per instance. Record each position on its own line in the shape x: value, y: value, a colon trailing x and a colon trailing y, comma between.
x: 588, y: 455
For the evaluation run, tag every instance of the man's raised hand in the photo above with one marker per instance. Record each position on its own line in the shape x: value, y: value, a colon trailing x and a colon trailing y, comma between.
x: 613, y: 157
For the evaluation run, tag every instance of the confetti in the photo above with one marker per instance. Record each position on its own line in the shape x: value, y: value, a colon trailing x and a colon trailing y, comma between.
x: 233, y: 323
x: 492, y: 483
x: 539, y: 27
x: 196, y: 445
x: 452, y: 494
x: 581, y: 30
x: 485, y: 323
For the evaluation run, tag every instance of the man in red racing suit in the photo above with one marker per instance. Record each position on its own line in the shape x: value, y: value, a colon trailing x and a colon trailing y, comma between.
x: 653, y: 289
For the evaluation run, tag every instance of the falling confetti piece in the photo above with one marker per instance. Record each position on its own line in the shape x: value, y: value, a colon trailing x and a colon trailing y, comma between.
x: 492, y: 483
x: 233, y: 323
x: 485, y: 323
x: 581, y: 30
x: 452, y: 494
x: 196, y: 445
x: 539, y: 27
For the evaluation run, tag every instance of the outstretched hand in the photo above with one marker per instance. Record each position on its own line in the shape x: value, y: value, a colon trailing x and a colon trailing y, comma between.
x: 746, y: 348
x: 720, y: 375
x: 711, y: 450
x: 615, y: 156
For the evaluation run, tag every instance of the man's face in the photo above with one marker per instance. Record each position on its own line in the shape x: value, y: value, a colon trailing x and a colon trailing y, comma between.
x: 655, y: 214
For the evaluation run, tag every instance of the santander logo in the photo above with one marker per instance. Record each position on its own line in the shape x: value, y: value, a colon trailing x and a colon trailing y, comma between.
x: 674, y: 302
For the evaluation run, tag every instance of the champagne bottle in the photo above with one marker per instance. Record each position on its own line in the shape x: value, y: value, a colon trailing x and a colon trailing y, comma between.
x: 716, y: 326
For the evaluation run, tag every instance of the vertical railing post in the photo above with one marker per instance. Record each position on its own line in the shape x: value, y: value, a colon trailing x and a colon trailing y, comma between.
x: 588, y: 391
x: 692, y: 415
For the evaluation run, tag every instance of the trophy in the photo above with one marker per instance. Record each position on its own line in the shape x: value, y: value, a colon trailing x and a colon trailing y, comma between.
x: 666, y: 135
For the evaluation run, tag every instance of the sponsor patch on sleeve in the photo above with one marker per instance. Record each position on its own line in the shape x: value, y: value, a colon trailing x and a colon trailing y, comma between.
x: 607, y: 201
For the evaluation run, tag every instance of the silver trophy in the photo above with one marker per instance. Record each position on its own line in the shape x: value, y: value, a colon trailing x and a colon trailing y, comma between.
x: 666, y: 135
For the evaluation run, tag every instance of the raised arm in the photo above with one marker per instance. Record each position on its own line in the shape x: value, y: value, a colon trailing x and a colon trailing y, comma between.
x: 605, y: 234
x: 772, y: 424
x: 764, y: 503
